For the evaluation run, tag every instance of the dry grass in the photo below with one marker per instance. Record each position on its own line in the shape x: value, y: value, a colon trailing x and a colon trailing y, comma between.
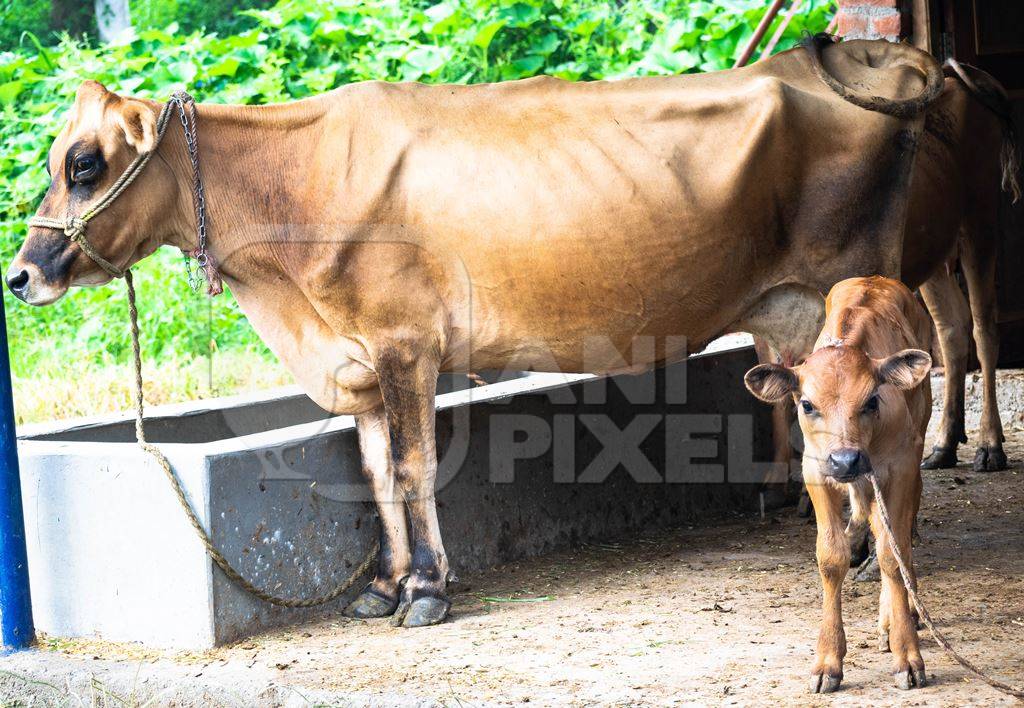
x: 72, y: 391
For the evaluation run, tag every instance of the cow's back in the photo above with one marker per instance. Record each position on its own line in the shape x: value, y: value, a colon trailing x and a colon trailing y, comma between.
x: 679, y: 199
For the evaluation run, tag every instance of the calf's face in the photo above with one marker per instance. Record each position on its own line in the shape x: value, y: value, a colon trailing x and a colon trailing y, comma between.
x: 845, y: 400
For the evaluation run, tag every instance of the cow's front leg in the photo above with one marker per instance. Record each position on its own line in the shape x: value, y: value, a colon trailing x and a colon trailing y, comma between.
x: 408, y: 383
x: 833, y: 553
x: 952, y: 320
x: 980, y: 272
x: 380, y: 597
x: 901, y: 497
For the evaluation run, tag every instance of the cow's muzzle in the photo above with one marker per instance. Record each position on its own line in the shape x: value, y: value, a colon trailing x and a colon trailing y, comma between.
x: 847, y: 464
x: 27, y: 282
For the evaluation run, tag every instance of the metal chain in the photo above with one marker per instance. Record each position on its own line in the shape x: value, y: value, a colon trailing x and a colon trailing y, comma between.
x: 187, y: 114
x: 186, y: 106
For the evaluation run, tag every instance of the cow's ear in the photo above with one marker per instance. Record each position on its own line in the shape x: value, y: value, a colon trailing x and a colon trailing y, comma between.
x: 905, y: 369
x: 771, y: 382
x: 92, y: 91
x: 138, y: 121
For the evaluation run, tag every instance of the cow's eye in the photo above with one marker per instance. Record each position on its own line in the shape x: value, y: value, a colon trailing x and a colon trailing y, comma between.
x: 85, y: 168
x: 872, y: 404
x: 807, y: 406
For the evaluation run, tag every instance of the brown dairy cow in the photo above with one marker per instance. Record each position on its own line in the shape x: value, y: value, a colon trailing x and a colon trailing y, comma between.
x: 862, y: 410
x: 381, y: 233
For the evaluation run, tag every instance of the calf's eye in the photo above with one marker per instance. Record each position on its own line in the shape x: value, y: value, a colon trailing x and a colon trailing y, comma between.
x: 872, y: 404
x: 807, y: 406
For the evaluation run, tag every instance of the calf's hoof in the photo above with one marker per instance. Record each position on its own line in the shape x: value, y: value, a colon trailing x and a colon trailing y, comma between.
x: 371, y: 604
x: 883, y: 642
x: 421, y: 612
x: 942, y: 458
x: 825, y: 682
x: 911, y: 678
x: 990, y: 459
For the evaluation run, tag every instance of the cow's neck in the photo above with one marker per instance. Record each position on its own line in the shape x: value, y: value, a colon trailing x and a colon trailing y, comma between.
x: 256, y: 165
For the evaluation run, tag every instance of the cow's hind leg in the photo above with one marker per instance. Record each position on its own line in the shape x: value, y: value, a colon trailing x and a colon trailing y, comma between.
x: 380, y: 597
x: 979, y: 266
x: 949, y: 311
x: 408, y: 383
x: 783, y: 415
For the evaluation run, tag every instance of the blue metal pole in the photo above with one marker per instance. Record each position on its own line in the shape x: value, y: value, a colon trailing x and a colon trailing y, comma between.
x: 16, y: 628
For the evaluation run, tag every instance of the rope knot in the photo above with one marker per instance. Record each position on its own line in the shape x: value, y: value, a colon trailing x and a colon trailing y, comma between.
x: 74, y: 228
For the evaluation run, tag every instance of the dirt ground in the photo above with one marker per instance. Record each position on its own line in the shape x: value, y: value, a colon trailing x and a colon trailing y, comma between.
x: 722, y: 614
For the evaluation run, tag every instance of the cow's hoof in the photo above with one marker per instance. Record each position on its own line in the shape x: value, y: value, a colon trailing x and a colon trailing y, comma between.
x: 990, y: 459
x: 868, y: 572
x: 883, y: 642
x: 911, y: 678
x: 859, y: 552
x: 942, y: 458
x: 371, y: 604
x: 825, y: 683
x: 804, y: 508
x: 424, y: 611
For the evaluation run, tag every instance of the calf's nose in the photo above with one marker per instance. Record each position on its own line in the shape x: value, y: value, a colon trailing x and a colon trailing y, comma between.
x: 846, y: 463
x: 17, y: 280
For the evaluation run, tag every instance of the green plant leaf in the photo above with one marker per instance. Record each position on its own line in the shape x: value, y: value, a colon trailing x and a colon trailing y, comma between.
x: 10, y: 91
x: 485, y: 35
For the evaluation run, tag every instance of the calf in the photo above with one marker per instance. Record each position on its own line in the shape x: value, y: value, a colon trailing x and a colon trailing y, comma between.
x: 863, y: 411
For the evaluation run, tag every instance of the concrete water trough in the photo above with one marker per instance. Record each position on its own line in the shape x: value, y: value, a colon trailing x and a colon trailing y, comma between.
x: 527, y: 465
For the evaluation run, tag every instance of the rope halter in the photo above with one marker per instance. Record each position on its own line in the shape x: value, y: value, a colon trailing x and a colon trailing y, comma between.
x: 74, y: 227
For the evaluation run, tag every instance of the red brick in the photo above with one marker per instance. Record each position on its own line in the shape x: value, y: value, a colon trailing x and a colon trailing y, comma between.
x: 874, y: 3
x: 851, y: 24
x: 887, y: 26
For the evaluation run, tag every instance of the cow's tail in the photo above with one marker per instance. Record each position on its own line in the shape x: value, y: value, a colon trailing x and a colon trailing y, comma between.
x: 900, y: 108
x: 991, y: 94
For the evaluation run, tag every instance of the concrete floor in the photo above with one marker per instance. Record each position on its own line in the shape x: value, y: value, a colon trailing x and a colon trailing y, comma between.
x: 721, y: 614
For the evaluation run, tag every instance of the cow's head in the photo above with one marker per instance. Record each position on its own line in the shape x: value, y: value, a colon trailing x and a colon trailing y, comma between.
x: 104, y: 133
x: 845, y: 400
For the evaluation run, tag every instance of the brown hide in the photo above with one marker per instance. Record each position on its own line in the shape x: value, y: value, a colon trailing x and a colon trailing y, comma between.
x: 505, y: 224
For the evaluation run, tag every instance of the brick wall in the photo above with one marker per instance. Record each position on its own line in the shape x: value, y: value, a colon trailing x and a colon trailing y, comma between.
x: 871, y: 19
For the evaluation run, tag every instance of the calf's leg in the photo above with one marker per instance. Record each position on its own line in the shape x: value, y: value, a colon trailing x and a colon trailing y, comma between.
x: 833, y: 554
x: 380, y: 597
x: 408, y: 383
x: 901, y: 496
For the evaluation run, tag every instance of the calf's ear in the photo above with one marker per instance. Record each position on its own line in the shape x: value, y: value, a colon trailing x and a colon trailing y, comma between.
x: 771, y: 382
x: 905, y: 369
x: 138, y: 121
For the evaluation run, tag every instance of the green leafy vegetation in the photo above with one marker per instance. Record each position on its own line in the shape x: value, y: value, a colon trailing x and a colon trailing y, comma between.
x: 286, y: 51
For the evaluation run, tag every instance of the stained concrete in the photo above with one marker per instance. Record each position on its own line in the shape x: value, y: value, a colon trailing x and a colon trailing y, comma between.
x: 278, y: 483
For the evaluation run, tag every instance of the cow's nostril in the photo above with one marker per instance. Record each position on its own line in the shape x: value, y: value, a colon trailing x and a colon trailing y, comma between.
x: 843, y: 463
x: 17, y: 281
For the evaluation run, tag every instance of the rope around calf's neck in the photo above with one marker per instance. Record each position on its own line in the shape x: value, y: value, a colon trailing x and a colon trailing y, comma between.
x: 1006, y: 688
x: 215, y: 555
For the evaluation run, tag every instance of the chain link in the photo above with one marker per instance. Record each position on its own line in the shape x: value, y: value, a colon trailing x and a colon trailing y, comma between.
x: 186, y: 106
